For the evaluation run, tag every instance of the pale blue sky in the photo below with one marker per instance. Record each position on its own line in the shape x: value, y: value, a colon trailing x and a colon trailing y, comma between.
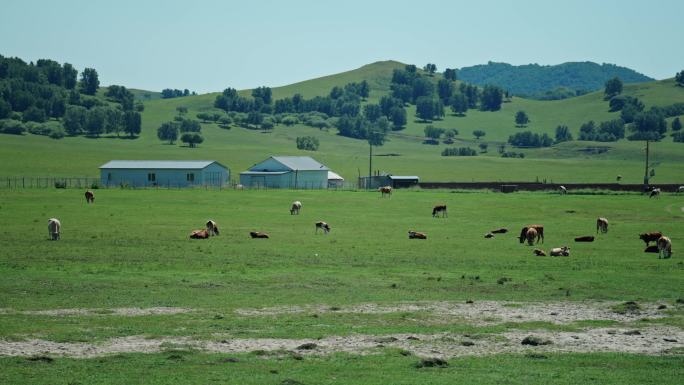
x: 209, y: 45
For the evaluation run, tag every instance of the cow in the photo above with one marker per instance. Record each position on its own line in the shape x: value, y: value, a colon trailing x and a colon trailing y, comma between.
x: 539, y: 252
x: 650, y: 237
x: 90, y: 197
x: 212, y: 228
x: 54, y: 227
x: 385, y: 190
x: 540, y: 233
x: 654, y: 193
x: 586, y: 238
x: 562, y: 190
x: 258, y: 234
x: 602, y: 225
x: 296, y: 206
x: 680, y: 189
x: 416, y: 235
x: 239, y: 187
x: 502, y: 230
x: 439, y: 209
x: 618, y: 178
x: 560, y: 251
x: 199, y: 234
x: 530, y: 235
x: 489, y: 235
x: 664, y: 247
x: 323, y: 226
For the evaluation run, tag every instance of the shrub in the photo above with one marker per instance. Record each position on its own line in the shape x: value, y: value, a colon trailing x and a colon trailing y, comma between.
x: 13, y: 127
x: 57, y: 134
x: 309, y: 143
x: 512, y: 154
x: 678, y: 137
x: 289, y: 120
x: 530, y: 139
x: 461, y: 151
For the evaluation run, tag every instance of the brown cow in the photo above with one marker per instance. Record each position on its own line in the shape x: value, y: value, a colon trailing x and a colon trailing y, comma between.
x: 602, y: 225
x: 586, y: 238
x: 650, y: 237
x: 560, y: 251
x: 323, y: 226
x: 664, y: 247
x: 538, y: 228
x: 212, y: 228
x: 530, y: 235
x: 199, y: 234
x: 385, y: 190
x: 90, y: 197
x: 439, y: 209
x: 539, y: 252
x: 502, y: 230
x: 416, y: 235
x: 258, y: 234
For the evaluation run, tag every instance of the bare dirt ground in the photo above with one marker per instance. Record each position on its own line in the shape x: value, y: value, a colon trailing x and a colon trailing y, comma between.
x: 652, y: 341
x: 119, y: 311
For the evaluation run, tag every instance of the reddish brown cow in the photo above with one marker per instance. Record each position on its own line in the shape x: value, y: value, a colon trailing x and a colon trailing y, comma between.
x: 416, y: 235
x: 385, y: 190
x: 538, y: 228
x: 530, y: 235
x: 258, y: 234
x: 650, y: 237
x: 90, y: 197
x: 199, y: 234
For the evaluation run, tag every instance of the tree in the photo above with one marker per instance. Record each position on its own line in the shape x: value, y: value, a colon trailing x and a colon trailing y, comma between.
x: 189, y: 125
x: 192, y: 139
x: 309, y: 143
x: 676, y: 124
x: 483, y: 147
x: 491, y: 98
x: 70, y: 76
x: 478, y: 134
x: 445, y: 88
x: 679, y: 78
x: 168, y: 131
x: 113, y: 120
x: 563, y: 134
x: 34, y: 114
x: 450, y: 134
x: 74, y: 120
x: 430, y: 68
x: 458, y: 104
x: 132, y: 122
x: 89, y: 81
x: 649, y: 126
x: 95, y: 121
x: 521, y: 119
x: 336, y: 92
x: 450, y: 74
x: 421, y: 87
x: 372, y: 112
x: 530, y: 139
x: 613, y: 87
x: 5, y: 109
x: 433, y: 133
x: 364, y: 89
x: 263, y: 93
x: 425, y: 108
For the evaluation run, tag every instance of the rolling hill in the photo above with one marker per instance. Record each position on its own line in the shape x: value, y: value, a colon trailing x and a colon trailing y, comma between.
x: 239, y: 148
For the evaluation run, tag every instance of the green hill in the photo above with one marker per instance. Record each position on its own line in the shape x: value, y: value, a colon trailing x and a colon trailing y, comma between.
x: 239, y: 148
x: 535, y: 80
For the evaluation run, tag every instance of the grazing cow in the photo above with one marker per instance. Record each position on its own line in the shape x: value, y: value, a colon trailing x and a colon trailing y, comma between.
x: 385, y: 190
x: 258, y: 234
x: 664, y: 247
x: 489, y: 235
x: 502, y: 230
x: 586, y: 238
x: 416, y: 235
x: 212, y: 228
x: 239, y: 187
x: 563, y: 190
x: 650, y: 237
x: 530, y: 235
x: 539, y: 252
x: 439, y: 209
x: 540, y: 233
x: 199, y: 234
x: 90, y: 197
x: 323, y: 226
x: 654, y: 193
x: 651, y: 249
x: 602, y: 225
x: 54, y: 227
x: 296, y: 206
x: 560, y: 252
x: 618, y: 178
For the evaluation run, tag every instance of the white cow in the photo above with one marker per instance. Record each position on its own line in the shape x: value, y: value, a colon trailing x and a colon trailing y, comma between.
x: 296, y: 206
x: 664, y: 247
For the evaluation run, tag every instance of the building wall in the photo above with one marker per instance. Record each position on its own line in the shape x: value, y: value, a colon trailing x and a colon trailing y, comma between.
x: 269, y: 164
x: 214, y: 175
x: 299, y: 179
x: 211, y: 175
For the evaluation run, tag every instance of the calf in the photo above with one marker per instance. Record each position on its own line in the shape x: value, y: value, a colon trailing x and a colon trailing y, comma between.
x: 539, y: 252
x: 650, y: 237
x: 602, y: 225
x: 654, y: 193
x: 54, y: 227
x: 90, y: 197
x: 212, y: 228
x: 439, y: 209
x: 323, y: 226
x: 664, y: 247
x: 416, y: 235
x: 296, y: 206
x: 258, y: 234
x: 560, y: 251
x: 199, y: 234
x: 586, y: 238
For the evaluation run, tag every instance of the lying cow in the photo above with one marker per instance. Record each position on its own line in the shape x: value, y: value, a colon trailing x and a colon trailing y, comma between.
x: 323, y: 226
x: 602, y: 225
x: 560, y: 251
x: 416, y: 235
x: 258, y: 234
x: 489, y: 235
x: 539, y: 252
x: 586, y: 238
x: 54, y: 227
x: 296, y: 206
x: 212, y: 228
x: 664, y: 247
x: 439, y: 209
x: 650, y: 237
x: 199, y: 234
x: 502, y: 230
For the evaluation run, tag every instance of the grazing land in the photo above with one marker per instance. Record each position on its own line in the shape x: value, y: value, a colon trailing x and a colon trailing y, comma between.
x: 125, y: 280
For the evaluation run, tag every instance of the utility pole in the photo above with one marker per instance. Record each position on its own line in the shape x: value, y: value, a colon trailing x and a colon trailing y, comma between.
x: 370, y: 166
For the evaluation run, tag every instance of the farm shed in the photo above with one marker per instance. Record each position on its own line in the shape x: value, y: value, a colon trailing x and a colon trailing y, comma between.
x: 335, y: 180
x: 286, y: 172
x: 396, y: 181
x: 171, y: 173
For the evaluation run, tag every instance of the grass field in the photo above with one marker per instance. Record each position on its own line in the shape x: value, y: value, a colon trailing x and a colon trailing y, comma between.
x: 130, y: 250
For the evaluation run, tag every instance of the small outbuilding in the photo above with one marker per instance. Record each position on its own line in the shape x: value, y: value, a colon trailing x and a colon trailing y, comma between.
x: 286, y: 172
x: 335, y: 180
x: 171, y: 173
x: 395, y: 181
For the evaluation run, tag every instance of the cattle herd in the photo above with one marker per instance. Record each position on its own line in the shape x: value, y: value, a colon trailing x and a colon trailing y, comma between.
x: 531, y: 234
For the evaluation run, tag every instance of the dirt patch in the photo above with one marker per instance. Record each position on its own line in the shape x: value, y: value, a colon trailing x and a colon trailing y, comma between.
x: 652, y: 341
x: 483, y: 312
x: 120, y: 311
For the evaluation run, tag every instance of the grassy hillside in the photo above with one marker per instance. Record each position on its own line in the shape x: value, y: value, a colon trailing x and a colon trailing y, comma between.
x: 240, y: 148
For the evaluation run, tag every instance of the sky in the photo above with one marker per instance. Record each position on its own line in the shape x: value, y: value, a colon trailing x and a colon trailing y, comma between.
x: 207, y: 46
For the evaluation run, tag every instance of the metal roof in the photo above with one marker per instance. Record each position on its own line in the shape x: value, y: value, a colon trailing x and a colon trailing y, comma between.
x: 399, y: 177
x: 301, y: 163
x: 264, y: 172
x: 334, y: 176
x: 160, y: 164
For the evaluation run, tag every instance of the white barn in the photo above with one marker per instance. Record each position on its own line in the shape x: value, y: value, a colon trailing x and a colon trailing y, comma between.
x: 170, y: 173
x: 301, y: 172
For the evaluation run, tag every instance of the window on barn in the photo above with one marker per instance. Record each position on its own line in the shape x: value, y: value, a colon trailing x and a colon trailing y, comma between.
x: 151, y: 177
x: 190, y: 177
